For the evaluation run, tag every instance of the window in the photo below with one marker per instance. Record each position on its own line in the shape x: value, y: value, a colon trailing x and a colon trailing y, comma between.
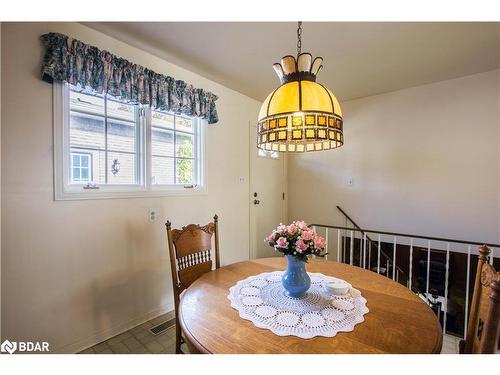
x: 108, y: 148
x: 174, y: 147
x: 109, y: 133
x: 81, y: 168
x: 268, y: 154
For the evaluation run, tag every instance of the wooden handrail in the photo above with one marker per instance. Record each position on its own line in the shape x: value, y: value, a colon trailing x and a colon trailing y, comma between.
x: 370, y: 240
x: 408, y: 235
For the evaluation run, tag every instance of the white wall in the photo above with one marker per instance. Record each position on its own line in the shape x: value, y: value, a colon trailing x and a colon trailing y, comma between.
x: 77, y: 272
x: 424, y: 160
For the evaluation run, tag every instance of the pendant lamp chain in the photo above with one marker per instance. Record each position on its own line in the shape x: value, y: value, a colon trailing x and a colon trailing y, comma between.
x: 299, y: 38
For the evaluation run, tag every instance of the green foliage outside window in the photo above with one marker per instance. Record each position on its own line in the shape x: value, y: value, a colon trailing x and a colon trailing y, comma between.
x: 185, y: 166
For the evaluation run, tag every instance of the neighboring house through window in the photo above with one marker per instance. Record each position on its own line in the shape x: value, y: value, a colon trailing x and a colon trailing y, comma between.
x: 108, y: 131
x: 267, y: 154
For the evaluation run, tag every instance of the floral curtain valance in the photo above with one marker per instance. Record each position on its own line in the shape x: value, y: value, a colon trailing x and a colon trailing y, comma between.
x: 98, y: 71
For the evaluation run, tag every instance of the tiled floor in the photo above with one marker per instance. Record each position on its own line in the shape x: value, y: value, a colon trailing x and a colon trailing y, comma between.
x: 450, y: 344
x: 139, y: 340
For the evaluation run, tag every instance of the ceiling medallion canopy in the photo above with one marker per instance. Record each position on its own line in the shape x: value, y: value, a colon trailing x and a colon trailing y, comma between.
x: 301, y: 114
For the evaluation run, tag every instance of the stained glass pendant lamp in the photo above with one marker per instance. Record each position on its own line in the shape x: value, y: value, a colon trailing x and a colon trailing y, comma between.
x: 300, y: 115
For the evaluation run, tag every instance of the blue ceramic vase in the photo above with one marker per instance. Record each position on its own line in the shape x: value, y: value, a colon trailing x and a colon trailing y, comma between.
x: 295, y: 280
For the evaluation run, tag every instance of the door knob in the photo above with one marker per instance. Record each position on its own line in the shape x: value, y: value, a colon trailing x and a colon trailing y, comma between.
x: 256, y: 201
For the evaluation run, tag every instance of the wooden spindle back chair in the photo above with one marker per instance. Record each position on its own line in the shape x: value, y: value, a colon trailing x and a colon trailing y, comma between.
x: 190, y: 257
x: 483, y: 325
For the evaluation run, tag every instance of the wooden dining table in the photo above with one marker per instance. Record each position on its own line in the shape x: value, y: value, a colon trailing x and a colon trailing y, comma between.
x: 398, y: 321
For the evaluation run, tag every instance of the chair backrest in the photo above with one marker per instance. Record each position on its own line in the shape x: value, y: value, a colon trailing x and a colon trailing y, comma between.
x: 483, y: 326
x: 190, y: 253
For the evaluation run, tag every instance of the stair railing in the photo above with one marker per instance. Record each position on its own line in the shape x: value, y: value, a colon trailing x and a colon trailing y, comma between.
x: 389, y: 261
x: 426, y: 296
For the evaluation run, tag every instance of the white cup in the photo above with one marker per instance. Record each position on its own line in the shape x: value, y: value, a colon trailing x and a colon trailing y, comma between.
x: 337, y: 286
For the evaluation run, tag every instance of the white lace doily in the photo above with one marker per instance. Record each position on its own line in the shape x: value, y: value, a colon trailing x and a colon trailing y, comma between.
x: 262, y: 300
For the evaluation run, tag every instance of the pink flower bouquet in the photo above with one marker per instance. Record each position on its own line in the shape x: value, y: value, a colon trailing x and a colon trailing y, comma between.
x: 297, y: 239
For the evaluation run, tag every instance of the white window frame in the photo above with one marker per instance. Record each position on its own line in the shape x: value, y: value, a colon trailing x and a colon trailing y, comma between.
x: 65, y: 190
x: 199, y: 155
x: 274, y: 155
x: 88, y: 167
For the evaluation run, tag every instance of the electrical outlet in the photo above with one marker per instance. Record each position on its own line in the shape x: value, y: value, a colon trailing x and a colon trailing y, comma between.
x: 152, y: 215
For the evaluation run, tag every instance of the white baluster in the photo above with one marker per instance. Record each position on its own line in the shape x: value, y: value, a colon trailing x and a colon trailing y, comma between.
x: 428, y: 270
x: 360, y: 250
x: 411, y: 263
x: 394, y: 260
x: 344, y: 242
x: 338, y: 245
x: 364, y: 250
x: 351, y: 247
x: 370, y: 257
x: 378, y: 255
x: 467, y: 291
x: 446, y: 286
x: 343, y: 247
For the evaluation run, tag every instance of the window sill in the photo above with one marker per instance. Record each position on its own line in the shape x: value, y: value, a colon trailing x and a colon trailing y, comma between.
x: 138, y: 193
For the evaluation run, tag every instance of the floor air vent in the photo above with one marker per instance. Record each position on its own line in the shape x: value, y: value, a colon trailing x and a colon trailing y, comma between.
x: 162, y: 327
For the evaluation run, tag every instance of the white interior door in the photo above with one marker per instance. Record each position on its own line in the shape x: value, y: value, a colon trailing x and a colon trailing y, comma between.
x: 267, y: 203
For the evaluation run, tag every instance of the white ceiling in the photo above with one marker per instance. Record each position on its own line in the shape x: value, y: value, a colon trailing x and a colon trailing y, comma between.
x: 360, y: 59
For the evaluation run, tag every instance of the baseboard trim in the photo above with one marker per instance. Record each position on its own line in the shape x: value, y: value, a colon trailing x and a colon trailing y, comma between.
x: 106, y: 334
